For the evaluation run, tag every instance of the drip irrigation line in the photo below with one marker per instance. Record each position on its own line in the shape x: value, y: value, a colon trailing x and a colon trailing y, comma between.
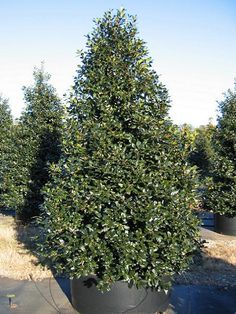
x: 42, y: 295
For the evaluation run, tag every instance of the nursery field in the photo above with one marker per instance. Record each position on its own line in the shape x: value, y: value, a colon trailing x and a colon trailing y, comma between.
x: 215, y: 265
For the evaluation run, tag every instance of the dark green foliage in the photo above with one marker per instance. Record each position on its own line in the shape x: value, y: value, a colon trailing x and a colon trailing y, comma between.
x: 202, y: 151
x: 5, y: 116
x: 6, y: 128
x: 119, y: 203
x: 37, y: 143
x: 221, y: 193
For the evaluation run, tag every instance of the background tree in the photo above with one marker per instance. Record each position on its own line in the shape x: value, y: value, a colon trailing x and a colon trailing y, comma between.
x: 119, y: 203
x: 37, y: 139
x: 202, y: 151
x: 6, y: 126
x: 188, y: 134
x: 221, y: 193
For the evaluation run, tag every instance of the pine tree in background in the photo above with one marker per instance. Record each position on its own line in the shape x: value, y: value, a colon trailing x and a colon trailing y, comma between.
x: 37, y: 139
x: 221, y: 193
x: 119, y: 204
x: 6, y: 127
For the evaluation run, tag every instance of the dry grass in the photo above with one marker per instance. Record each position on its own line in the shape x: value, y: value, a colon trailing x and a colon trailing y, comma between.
x: 16, y: 261
x: 215, y: 266
x: 219, y: 255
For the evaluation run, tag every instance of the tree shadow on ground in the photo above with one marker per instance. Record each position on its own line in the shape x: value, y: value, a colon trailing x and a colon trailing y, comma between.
x: 7, y: 212
x: 209, y: 286
x: 201, y: 299
x: 31, y: 236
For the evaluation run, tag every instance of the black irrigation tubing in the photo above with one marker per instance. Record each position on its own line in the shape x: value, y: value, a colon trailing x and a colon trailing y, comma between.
x: 50, y: 290
x: 42, y: 295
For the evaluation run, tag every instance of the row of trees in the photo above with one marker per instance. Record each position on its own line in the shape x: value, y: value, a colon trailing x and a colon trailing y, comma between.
x: 220, y: 195
x: 32, y: 143
x: 200, y: 148
x: 212, y: 149
x: 29, y: 146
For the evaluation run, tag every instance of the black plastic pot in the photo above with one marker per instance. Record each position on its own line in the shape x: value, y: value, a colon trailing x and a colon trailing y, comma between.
x: 121, y: 299
x: 225, y: 225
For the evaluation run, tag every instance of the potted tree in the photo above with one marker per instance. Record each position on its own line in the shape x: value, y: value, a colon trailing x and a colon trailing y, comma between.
x: 118, y: 214
x: 221, y: 192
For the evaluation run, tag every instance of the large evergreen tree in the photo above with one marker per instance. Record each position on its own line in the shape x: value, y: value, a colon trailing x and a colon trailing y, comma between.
x: 221, y: 193
x: 37, y: 144
x: 119, y: 203
x: 6, y: 144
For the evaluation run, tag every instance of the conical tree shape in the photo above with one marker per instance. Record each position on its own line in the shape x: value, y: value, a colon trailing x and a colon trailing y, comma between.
x: 202, y: 152
x: 6, y: 144
x: 37, y: 138
x: 5, y: 115
x: 221, y: 193
x: 119, y: 202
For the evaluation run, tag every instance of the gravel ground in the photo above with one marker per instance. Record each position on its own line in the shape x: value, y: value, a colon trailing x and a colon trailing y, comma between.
x: 215, y: 265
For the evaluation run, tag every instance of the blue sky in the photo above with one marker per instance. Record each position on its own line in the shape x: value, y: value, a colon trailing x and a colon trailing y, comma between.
x: 192, y: 44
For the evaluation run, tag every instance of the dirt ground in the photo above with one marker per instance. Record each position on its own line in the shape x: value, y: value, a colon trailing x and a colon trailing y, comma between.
x: 216, y: 264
